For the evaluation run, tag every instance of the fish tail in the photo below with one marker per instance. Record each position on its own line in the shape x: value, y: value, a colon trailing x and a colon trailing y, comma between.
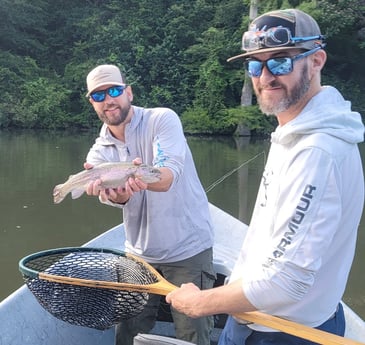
x: 57, y: 194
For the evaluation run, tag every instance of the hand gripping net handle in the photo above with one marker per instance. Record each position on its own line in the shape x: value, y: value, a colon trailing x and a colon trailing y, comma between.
x: 98, y: 288
x: 92, y: 287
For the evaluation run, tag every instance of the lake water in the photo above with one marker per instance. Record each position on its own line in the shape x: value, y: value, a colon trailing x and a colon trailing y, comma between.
x: 32, y: 163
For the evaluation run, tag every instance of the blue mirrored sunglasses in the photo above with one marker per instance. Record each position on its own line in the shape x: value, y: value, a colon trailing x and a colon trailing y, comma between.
x: 277, y: 66
x: 113, y: 91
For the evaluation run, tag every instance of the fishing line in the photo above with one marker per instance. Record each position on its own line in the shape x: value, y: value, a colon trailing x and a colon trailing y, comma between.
x: 221, y: 179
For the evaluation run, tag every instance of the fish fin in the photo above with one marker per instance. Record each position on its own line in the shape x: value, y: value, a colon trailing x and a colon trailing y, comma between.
x: 57, y: 195
x: 76, y: 193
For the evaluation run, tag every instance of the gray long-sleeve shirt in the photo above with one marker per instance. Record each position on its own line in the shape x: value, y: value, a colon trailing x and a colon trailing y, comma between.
x: 167, y: 226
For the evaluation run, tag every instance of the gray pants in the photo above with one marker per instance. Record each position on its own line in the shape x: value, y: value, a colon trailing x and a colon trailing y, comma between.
x: 197, y: 269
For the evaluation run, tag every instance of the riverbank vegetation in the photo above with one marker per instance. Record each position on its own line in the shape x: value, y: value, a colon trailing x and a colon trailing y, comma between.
x: 173, y: 52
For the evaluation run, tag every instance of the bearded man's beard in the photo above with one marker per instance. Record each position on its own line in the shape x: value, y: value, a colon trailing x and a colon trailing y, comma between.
x: 115, y: 120
x: 291, y: 97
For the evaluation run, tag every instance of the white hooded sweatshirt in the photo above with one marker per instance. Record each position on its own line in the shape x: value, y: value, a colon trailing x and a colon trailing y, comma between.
x: 300, y: 245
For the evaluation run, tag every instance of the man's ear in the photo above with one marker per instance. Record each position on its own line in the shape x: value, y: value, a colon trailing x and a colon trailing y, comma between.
x: 319, y: 59
x: 129, y: 93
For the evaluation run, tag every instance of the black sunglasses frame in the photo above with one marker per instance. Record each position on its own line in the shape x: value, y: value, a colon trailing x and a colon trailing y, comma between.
x: 101, y: 94
x: 270, y: 69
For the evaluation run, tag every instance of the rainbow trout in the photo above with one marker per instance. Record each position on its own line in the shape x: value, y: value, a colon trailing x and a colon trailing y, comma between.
x: 112, y: 175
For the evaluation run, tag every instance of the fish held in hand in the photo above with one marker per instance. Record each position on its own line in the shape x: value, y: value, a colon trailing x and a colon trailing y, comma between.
x: 112, y: 175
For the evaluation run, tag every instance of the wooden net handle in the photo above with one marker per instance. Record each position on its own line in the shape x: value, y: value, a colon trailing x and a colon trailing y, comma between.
x: 296, y: 329
x: 163, y: 287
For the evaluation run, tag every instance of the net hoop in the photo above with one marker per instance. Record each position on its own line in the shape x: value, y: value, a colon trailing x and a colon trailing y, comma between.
x: 89, y: 306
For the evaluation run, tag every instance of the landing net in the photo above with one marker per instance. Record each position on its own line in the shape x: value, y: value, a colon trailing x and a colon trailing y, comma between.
x: 93, y: 307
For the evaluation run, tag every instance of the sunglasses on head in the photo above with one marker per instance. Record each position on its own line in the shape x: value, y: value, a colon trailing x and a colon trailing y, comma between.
x: 113, y: 91
x: 273, y: 37
x: 277, y: 66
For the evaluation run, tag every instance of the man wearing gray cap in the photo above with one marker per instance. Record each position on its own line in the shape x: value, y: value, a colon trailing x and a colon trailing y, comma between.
x: 167, y: 223
x: 297, y: 254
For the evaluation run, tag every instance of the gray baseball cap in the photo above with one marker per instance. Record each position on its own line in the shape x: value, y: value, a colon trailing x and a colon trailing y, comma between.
x: 273, y: 31
x: 103, y: 75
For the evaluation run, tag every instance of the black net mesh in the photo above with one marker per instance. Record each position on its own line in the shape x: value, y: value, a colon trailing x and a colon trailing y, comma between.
x: 99, y: 308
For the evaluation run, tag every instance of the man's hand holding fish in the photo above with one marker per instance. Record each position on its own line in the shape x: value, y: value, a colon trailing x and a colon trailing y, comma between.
x: 117, y: 195
x: 121, y: 194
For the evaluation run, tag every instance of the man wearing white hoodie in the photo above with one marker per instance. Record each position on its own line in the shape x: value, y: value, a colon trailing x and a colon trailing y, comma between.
x: 297, y: 255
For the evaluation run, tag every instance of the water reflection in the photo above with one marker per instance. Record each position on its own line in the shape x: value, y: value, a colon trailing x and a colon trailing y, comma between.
x: 32, y: 163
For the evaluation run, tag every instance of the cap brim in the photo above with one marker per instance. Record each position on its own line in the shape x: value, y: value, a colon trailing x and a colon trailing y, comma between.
x: 106, y: 83
x: 259, y: 51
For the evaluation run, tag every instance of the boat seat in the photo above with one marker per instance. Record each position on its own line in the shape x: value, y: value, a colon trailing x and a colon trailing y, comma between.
x: 153, y: 339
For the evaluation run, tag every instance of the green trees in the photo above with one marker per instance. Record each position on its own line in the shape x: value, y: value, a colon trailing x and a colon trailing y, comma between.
x: 173, y: 53
x: 343, y: 23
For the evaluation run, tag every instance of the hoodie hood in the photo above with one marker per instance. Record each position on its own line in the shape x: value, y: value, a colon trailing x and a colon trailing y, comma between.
x: 105, y: 137
x: 328, y: 113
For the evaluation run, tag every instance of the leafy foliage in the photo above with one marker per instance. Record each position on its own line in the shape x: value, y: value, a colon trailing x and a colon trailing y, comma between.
x: 173, y: 53
x: 197, y: 121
